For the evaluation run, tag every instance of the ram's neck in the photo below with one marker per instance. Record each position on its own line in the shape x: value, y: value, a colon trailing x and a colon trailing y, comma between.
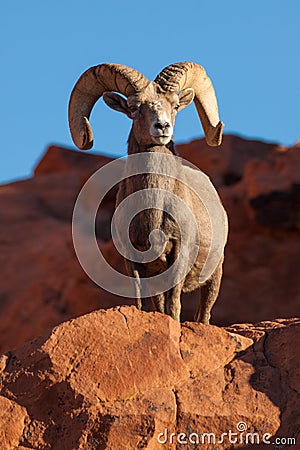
x: 149, y: 173
x: 159, y: 171
x: 151, y: 169
x: 134, y: 147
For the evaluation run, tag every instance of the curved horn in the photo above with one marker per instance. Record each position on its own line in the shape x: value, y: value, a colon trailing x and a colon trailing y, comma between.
x: 90, y: 87
x: 176, y: 77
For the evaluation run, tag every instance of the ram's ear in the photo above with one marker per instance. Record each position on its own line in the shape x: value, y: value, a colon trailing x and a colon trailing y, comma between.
x: 186, y: 96
x: 116, y: 102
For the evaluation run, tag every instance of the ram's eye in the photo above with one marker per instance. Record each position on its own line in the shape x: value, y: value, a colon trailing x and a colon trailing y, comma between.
x: 133, y: 108
x: 176, y: 106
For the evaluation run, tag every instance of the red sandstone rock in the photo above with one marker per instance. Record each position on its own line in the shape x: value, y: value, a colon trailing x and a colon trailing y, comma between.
x: 61, y: 159
x: 12, y: 423
x: 226, y: 164
x: 116, y: 379
x: 42, y: 283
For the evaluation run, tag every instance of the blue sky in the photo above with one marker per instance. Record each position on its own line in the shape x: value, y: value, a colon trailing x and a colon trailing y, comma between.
x: 251, y: 50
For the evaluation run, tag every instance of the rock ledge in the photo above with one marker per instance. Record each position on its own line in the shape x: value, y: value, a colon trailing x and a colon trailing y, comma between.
x: 117, y: 378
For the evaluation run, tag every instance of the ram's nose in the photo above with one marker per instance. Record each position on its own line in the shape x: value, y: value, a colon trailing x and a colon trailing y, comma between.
x: 162, y: 126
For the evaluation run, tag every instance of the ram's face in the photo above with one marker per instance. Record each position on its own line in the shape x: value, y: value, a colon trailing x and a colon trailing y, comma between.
x: 153, y: 118
x: 153, y: 113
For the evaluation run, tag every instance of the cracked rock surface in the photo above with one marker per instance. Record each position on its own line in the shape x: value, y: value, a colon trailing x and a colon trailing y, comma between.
x: 118, y: 378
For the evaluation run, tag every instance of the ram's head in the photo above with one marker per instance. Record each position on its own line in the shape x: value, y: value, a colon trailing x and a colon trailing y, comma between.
x: 151, y: 105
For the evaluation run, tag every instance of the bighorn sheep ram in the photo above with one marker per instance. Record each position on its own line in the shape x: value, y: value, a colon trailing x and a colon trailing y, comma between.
x: 153, y: 106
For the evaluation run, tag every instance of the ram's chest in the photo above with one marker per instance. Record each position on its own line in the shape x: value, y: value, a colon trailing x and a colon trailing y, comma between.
x: 148, y: 202
x: 147, y: 223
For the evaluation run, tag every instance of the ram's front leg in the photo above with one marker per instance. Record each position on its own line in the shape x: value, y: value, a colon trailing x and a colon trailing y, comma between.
x: 137, y: 289
x: 173, y: 303
x: 134, y: 273
x: 158, y: 302
x: 208, y: 295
